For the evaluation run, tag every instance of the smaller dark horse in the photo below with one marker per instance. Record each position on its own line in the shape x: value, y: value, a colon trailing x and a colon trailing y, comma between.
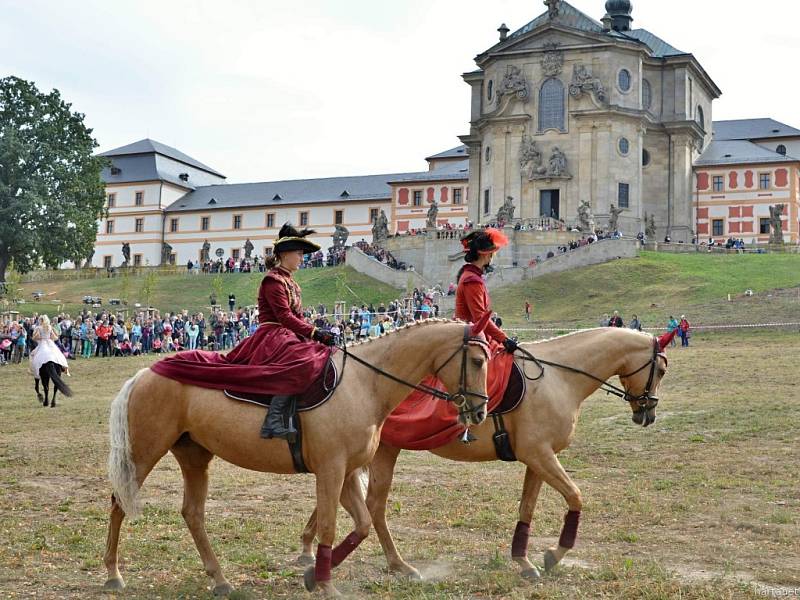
x: 51, y: 371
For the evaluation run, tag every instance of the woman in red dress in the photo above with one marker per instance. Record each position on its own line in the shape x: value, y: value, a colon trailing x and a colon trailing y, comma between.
x: 283, y: 357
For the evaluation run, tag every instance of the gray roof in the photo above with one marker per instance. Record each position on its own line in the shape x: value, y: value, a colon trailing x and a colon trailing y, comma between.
x: 148, y: 146
x: 730, y: 152
x: 658, y: 47
x: 455, y: 171
x: 568, y: 15
x: 457, y: 152
x: 297, y: 191
x: 752, y: 129
x: 142, y: 168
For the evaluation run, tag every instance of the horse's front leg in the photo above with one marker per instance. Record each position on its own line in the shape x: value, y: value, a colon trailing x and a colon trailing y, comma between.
x: 307, y: 539
x: 545, y: 463
x: 527, y: 504
x: 38, y: 393
x: 329, y: 488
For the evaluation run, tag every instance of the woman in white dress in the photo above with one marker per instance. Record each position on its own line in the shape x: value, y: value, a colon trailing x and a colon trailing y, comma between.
x: 46, y: 350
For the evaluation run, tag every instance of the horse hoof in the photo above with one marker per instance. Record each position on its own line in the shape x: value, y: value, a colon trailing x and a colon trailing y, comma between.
x: 531, y: 574
x: 223, y: 589
x: 310, y: 579
x: 306, y: 559
x: 114, y: 585
x: 550, y: 560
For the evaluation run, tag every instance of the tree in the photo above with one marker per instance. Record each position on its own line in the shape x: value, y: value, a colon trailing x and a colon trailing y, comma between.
x: 149, y: 284
x: 10, y: 290
x: 51, y: 193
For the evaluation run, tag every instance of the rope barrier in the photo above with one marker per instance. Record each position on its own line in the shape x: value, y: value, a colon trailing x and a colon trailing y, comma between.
x: 693, y: 327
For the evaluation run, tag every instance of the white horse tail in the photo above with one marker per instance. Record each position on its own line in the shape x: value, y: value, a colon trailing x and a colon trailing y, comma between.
x: 121, y: 470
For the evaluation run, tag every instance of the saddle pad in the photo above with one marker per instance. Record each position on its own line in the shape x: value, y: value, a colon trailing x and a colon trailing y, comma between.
x: 317, y: 394
x: 515, y: 392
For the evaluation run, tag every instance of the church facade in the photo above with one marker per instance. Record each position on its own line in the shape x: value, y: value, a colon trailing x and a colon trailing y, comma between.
x: 568, y: 110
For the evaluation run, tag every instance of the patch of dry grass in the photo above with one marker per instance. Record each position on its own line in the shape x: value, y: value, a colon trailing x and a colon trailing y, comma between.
x: 696, y: 507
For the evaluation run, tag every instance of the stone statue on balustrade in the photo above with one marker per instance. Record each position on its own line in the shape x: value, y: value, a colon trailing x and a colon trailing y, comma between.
x: 380, y: 229
x: 205, y: 252
x: 775, y: 214
x: 585, y: 217
x: 650, y: 226
x: 433, y: 212
x: 126, y: 254
x: 248, y: 248
x: 340, y: 236
x: 166, y: 253
x: 506, y: 212
x: 613, y: 217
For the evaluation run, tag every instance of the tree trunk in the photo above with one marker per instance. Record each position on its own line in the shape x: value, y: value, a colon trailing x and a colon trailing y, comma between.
x: 3, y: 266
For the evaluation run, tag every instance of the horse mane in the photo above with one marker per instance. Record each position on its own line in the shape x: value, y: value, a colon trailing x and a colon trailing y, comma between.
x: 407, y: 326
x: 590, y: 329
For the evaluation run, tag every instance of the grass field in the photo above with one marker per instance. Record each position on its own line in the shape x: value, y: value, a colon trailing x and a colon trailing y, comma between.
x: 702, y: 505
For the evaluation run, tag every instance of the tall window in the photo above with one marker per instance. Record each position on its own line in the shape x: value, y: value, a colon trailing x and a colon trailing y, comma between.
x: 701, y: 117
x: 763, y: 226
x: 137, y: 260
x: 112, y: 200
x: 236, y: 253
x: 418, y: 198
x: 458, y: 196
x: 486, y: 202
x: 623, y: 195
x: 763, y: 181
x: 373, y: 214
x: 717, y: 227
x: 338, y: 217
x: 237, y: 221
x: 270, y: 220
x: 647, y: 95
x: 551, y: 105
x: 106, y: 262
x: 173, y: 225
x: 624, y: 80
x: 139, y: 226
x: 109, y: 226
x: 718, y: 183
x: 204, y: 223
x: 139, y: 198
x: 304, y: 218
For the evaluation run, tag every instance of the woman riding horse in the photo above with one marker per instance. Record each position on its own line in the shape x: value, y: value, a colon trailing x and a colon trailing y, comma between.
x: 284, y: 355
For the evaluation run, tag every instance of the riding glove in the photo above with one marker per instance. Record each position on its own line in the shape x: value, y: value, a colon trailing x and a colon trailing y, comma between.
x: 510, y: 344
x: 323, y: 337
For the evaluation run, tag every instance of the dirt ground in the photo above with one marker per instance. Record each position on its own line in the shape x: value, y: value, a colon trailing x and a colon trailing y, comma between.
x: 702, y: 505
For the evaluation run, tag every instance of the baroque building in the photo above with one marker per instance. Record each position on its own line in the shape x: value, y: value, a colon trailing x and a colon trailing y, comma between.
x: 569, y: 110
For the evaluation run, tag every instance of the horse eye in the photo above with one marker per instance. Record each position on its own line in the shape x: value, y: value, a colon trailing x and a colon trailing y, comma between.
x: 478, y: 362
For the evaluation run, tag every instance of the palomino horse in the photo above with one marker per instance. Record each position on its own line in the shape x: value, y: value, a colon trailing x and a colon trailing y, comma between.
x: 568, y: 370
x: 153, y: 415
x: 51, y: 371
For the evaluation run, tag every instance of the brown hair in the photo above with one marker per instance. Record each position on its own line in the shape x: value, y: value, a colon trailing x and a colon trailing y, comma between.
x: 272, y: 261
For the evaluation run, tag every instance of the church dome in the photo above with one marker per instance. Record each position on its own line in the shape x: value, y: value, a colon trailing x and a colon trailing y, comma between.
x: 619, y: 7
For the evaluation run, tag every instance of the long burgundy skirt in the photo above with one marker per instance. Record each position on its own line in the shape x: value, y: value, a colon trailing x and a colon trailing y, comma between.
x: 273, y: 360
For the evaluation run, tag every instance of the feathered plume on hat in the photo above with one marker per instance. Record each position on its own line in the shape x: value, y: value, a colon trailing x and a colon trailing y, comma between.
x: 290, y: 238
x: 484, y: 241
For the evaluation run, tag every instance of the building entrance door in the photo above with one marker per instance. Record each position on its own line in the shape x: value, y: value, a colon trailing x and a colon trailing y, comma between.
x: 549, y: 203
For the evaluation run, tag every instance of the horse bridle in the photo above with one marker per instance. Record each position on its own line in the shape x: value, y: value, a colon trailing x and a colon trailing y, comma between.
x: 645, y: 400
x: 459, y: 399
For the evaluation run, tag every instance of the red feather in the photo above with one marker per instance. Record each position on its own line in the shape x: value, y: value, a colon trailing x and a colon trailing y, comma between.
x: 498, y: 238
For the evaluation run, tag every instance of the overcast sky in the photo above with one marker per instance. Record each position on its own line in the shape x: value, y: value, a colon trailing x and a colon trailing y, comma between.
x: 265, y: 90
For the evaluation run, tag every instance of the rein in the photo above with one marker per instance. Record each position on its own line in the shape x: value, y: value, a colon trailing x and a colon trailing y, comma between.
x: 642, y: 399
x: 459, y: 399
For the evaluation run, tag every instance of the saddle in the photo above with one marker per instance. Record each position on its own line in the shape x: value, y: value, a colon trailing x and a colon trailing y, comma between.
x: 515, y: 392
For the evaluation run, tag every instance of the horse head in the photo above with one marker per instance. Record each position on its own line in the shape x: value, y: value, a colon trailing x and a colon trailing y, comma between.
x: 644, y: 371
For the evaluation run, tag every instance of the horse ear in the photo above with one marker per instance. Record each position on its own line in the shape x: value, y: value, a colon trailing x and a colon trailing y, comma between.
x: 477, y: 328
x: 665, y: 339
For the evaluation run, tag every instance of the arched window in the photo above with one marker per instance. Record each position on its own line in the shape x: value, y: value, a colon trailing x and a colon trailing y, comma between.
x: 647, y: 95
x: 624, y: 80
x: 645, y: 157
x: 551, y: 105
x: 490, y: 90
x: 781, y: 149
x: 701, y: 119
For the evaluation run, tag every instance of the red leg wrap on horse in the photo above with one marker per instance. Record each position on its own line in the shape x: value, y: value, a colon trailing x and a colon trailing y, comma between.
x: 322, y: 568
x: 519, y: 545
x: 348, y: 544
x: 570, y: 530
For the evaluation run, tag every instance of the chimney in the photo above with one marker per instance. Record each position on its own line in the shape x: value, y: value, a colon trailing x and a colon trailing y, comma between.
x: 503, y: 32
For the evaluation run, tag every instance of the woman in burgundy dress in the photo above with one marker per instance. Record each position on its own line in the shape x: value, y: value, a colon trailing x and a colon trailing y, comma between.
x: 283, y: 357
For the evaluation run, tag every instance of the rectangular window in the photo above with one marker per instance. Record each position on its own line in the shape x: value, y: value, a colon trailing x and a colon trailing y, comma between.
x: 418, y: 198
x: 139, y: 227
x: 486, y: 202
x: 338, y: 217
x: 458, y: 196
x: 717, y: 227
x: 304, y: 218
x: 173, y: 225
x: 106, y: 262
x: 237, y: 221
x: 112, y: 200
x: 268, y: 251
x: 763, y: 181
x: 763, y: 226
x: 109, y: 226
x: 623, y: 195
x: 173, y: 258
x: 139, y: 198
x: 137, y: 260
x: 718, y: 183
x: 204, y: 223
x: 270, y: 220
x: 236, y: 253
x: 373, y: 215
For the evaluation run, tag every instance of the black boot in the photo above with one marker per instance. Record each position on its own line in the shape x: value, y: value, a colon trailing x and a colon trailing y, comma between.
x: 274, y: 423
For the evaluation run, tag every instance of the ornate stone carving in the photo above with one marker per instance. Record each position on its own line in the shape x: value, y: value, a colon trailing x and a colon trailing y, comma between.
x: 585, y: 217
x: 531, y: 164
x: 340, y: 236
x: 380, y: 229
x: 558, y: 164
x: 506, y: 212
x: 584, y: 81
x: 553, y: 8
x: 433, y: 212
x: 775, y: 214
x: 514, y: 83
x: 613, y: 217
x: 552, y: 60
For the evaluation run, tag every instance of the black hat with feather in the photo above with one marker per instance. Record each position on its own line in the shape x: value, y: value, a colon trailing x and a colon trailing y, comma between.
x: 290, y: 238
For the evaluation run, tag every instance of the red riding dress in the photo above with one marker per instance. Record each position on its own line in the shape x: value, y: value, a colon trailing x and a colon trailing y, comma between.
x: 279, y: 358
x: 421, y: 422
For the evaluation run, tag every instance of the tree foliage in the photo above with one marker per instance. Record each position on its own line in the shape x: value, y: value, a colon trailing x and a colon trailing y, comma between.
x: 51, y: 193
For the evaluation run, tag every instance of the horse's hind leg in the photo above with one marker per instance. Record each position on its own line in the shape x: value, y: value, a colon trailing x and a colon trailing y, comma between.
x: 527, y: 504
x: 194, y: 460
x: 309, y: 533
x: 38, y: 393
